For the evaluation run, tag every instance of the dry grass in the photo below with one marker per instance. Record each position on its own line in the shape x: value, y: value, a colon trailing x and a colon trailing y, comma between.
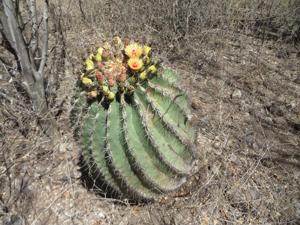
x: 245, y: 87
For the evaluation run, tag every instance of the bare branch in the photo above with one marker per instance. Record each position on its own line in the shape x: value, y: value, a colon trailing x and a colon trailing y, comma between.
x: 19, y: 16
x: 32, y: 78
x: 11, y: 31
x: 34, y: 26
x: 5, y: 43
x: 45, y: 40
x: 38, y: 27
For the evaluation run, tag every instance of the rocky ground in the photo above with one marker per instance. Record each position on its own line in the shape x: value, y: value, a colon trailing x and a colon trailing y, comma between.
x: 246, y: 100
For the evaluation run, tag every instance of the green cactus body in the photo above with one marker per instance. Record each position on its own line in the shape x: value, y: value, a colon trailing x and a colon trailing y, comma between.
x: 139, y: 143
x: 140, y: 147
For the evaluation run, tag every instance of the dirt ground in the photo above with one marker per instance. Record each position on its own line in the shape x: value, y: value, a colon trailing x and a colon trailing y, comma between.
x: 246, y: 100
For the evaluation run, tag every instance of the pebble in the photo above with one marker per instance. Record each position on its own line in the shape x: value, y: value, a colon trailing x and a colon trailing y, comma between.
x: 237, y: 93
x: 233, y: 158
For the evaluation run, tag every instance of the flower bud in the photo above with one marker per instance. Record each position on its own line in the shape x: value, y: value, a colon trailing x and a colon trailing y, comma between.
x: 152, y: 69
x: 143, y: 75
x: 99, y: 76
x: 111, y: 96
x: 92, y: 94
x: 86, y: 81
x: 105, y: 89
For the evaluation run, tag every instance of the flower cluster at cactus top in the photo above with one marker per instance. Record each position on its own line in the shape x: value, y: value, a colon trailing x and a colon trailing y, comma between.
x: 116, y: 67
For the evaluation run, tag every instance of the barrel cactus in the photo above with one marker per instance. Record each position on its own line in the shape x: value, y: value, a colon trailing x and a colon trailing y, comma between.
x: 132, y: 122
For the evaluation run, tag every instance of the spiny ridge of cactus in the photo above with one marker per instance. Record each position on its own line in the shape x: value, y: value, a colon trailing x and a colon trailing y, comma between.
x: 138, y: 144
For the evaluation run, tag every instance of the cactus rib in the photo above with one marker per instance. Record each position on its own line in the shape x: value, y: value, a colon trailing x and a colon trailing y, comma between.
x: 178, y: 98
x: 151, y: 172
x: 117, y: 160
x: 170, y: 123
x: 176, y: 153
x: 98, y: 154
x: 165, y: 155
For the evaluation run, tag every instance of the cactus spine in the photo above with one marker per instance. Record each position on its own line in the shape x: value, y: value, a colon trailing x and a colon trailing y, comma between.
x: 139, y: 144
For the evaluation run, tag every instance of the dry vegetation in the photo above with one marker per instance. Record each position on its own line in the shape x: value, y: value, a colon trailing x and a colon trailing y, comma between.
x: 240, y: 63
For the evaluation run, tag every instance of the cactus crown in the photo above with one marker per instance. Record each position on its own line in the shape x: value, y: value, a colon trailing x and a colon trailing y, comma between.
x: 116, y: 67
x: 133, y: 122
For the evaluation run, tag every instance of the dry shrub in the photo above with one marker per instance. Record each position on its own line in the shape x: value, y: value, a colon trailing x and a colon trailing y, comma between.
x: 180, y: 21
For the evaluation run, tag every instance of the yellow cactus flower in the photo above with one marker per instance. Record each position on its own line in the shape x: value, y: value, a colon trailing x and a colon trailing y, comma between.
x: 147, y: 50
x: 105, y: 89
x: 152, y: 69
x: 111, y: 96
x: 89, y: 64
x: 99, y: 51
x: 98, y: 56
x: 93, y: 94
x: 135, y: 64
x: 143, y: 75
x: 133, y: 50
x: 86, y: 81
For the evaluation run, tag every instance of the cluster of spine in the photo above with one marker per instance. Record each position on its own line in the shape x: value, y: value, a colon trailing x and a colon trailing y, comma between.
x: 138, y: 145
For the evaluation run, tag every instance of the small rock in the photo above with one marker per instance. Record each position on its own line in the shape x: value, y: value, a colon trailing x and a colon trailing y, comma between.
x: 216, y: 169
x: 216, y: 144
x: 62, y: 147
x: 101, y: 215
x: 233, y: 158
x: 293, y: 104
x: 269, y: 120
x: 237, y: 93
x: 195, y: 105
